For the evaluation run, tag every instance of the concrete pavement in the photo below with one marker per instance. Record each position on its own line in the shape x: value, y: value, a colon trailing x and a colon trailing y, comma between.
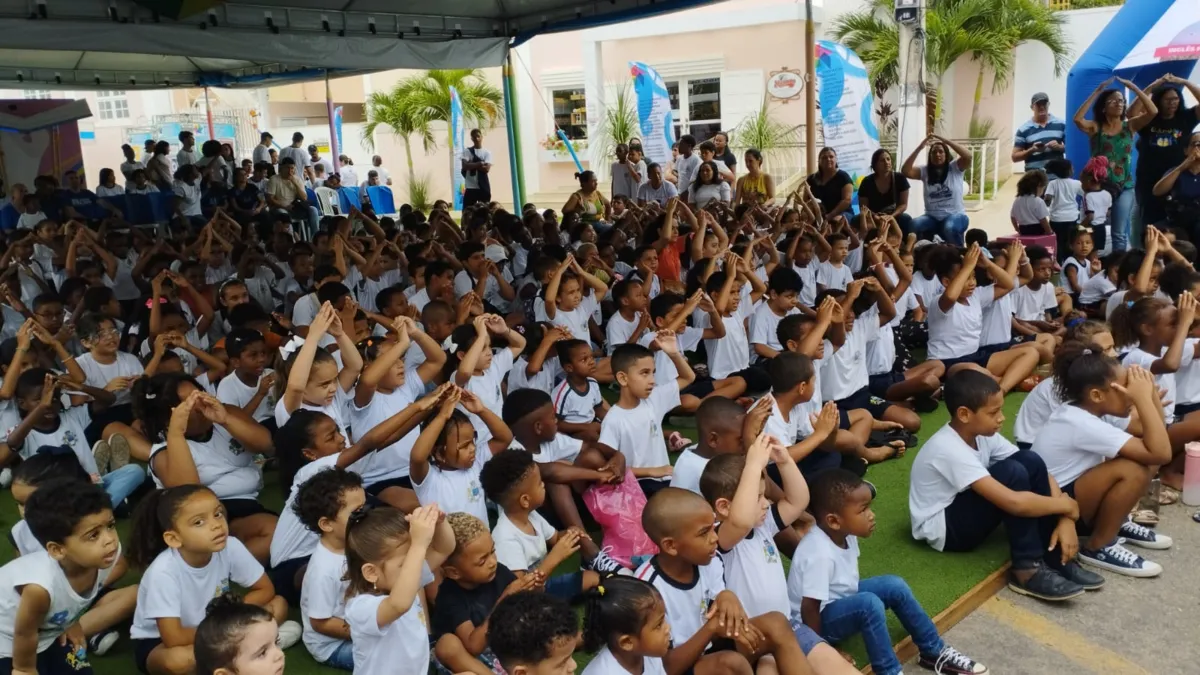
x: 1130, y: 627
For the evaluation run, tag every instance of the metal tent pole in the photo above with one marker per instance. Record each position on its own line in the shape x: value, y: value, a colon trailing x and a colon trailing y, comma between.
x: 510, y: 115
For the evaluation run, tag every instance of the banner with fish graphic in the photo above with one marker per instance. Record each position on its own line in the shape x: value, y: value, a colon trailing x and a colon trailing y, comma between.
x: 457, y: 144
x: 846, y: 101
x: 654, y: 113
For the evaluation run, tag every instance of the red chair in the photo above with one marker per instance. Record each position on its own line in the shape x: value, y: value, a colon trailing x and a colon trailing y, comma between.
x: 1047, y: 240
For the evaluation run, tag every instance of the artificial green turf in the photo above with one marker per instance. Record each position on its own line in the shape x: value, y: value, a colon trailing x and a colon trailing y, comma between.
x: 937, y: 579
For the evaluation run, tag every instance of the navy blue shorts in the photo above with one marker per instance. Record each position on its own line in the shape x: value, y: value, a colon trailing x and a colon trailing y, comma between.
x: 978, y: 358
x: 402, y: 482
x: 879, y: 384
x: 988, y: 350
x: 283, y: 576
x: 243, y: 508
x: 56, y: 660
x: 1184, y: 409
x: 141, y: 651
x: 863, y: 400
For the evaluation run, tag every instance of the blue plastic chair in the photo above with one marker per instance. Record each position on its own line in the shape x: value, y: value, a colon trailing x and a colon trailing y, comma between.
x: 9, y: 216
x: 381, y: 199
x: 347, y: 197
x: 312, y: 197
x: 138, y: 210
x: 120, y: 203
x: 161, y: 206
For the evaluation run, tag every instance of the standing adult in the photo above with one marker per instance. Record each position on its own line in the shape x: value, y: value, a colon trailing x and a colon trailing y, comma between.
x: 158, y: 169
x: 130, y: 164
x: 1162, y: 144
x: 1180, y: 190
x: 687, y: 164
x: 1042, y: 138
x: 831, y: 186
x: 724, y: 154
x: 347, y: 172
x: 315, y: 158
x: 476, y: 163
x: 385, y: 176
x: 885, y: 191
x: 187, y: 154
x: 298, y: 155
x: 945, y: 213
x: 1111, y: 135
x: 262, y: 151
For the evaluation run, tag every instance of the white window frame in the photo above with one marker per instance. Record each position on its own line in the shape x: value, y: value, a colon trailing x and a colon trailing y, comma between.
x: 112, y: 105
x: 37, y: 94
x: 554, y: 116
x: 682, y: 121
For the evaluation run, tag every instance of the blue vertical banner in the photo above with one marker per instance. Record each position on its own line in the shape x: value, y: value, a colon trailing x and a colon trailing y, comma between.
x: 846, y: 102
x: 457, y: 146
x: 337, y: 127
x: 653, y: 111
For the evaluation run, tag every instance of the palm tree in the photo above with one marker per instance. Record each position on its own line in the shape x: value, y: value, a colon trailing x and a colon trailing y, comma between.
x: 417, y: 101
x: 986, y: 30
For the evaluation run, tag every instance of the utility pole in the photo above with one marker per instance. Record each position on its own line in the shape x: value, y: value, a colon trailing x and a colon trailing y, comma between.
x: 910, y: 15
x: 810, y: 91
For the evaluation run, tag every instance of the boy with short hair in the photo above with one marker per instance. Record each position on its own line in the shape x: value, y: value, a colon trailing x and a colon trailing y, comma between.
x: 968, y: 478
x: 534, y: 633
x: 251, y: 384
x: 577, y: 400
x: 783, y: 292
x: 631, y: 318
x: 523, y: 538
x: 729, y: 356
x: 43, y: 594
x: 825, y: 590
x: 633, y: 427
x: 1037, y: 300
x: 324, y: 504
x: 670, y: 311
x: 833, y: 272
x: 719, y: 424
x: 688, y: 577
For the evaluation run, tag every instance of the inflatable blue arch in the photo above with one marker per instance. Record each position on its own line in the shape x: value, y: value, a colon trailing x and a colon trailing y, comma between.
x: 1102, y: 57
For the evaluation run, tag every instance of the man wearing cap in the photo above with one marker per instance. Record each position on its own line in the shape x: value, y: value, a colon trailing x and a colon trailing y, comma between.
x: 262, y: 151
x: 1041, y: 139
x: 314, y: 158
x: 298, y: 156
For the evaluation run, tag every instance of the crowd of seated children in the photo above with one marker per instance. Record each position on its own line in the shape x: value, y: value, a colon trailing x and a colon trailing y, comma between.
x: 439, y: 423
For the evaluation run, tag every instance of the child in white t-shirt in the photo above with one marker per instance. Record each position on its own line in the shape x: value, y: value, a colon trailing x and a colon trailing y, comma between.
x: 387, y: 555
x: 1063, y: 193
x: 568, y: 303
x: 825, y: 590
x: 1083, y: 262
x: 251, y: 385
x: 647, y: 638
x: 1029, y: 214
x: 577, y: 401
x: 783, y: 292
x: 729, y: 354
x: 478, y: 370
x: 538, y: 367
x: 179, y: 579
x: 1097, y: 204
x: 525, y: 540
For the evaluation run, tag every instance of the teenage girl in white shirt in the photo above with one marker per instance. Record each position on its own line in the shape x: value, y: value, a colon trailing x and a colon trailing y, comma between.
x: 386, y: 552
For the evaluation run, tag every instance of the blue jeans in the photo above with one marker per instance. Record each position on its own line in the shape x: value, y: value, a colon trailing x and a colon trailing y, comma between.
x: 121, y: 483
x: 950, y: 228
x: 342, y: 658
x: 866, y: 612
x: 1122, y: 213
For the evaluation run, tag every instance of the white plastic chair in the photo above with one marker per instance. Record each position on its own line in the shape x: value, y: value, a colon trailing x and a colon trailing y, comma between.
x: 328, y: 200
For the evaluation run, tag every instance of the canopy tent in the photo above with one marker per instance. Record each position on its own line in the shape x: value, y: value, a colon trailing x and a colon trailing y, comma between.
x: 152, y: 44
x: 1143, y: 42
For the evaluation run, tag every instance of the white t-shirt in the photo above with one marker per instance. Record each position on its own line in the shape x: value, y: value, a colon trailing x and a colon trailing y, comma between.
x: 605, y: 663
x: 517, y: 550
x: 1074, y: 440
x: 1187, y: 378
x: 338, y: 411
x: 456, y: 490
x: 619, y: 330
x: 70, y: 433
x: 474, y: 155
x: 686, y: 605
x: 487, y: 386
x: 66, y: 606
x: 689, y: 466
x: 1031, y: 305
x: 637, y: 433
x: 1097, y: 288
x: 956, y: 333
x: 665, y: 372
x: 323, y: 596
x: 1029, y: 210
x: 402, y: 646
x: 845, y: 370
x: 945, y: 467
x: 764, y: 323
x: 563, y: 448
x: 822, y: 570
x: 574, y: 406
x: 24, y: 540
x: 1083, y: 272
x: 1037, y: 407
x: 189, y: 195
x: 1064, y: 194
x: 390, y: 462
x: 730, y: 354
x: 754, y: 569
x: 100, y: 374
x: 623, y: 183
x: 575, y: 320
x: 292, y: 539
x: 927, y: 289
x: 1139, y: 357
x: 173, y: 589
x: 223, y: 464
x: 1098, y: 202
x: 543, y: 380
x: 233, y: 391
x: 795, y: 428
x: 465, y: 283
x: 834, y: 276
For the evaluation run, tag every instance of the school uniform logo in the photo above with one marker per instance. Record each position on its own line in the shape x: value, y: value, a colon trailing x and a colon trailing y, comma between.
x: 474, y: 491
x: 60, y: 619
x: 770, y: 553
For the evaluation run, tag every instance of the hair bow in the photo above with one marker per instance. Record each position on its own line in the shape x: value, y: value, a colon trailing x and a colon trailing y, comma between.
x: 288, y: 348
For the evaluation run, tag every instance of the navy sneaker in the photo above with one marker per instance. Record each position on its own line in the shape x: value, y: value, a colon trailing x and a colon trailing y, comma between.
x: 1117, y: 558
x: 1045, y: 584
x: 1089, y: 580
x: 1144, y: 537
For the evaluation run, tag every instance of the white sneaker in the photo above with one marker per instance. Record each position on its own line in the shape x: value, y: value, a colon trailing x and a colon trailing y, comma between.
x: 5, y: 478
x: 118, y: 445
x: 103, y: 455
x: 289, y: 634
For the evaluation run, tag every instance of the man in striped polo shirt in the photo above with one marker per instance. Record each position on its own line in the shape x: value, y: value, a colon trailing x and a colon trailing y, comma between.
x: 1041, y: 139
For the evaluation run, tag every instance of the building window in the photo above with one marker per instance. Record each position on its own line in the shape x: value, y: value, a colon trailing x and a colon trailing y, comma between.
x: 113, y: 105
x: 570, y: 112
x: 33, y: 94
x: 696, y: 106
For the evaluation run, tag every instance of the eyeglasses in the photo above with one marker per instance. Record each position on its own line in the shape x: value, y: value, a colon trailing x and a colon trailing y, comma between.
x: 107, y: 333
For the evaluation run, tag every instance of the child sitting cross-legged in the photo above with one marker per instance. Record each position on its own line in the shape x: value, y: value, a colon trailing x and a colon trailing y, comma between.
x: 523, y: 538
x: 670, y: 311
x: 577, y: 400
x: 826, y: 592
x: 736, y: 487
x: 721, y: 638
x: 534, y: 633
x: 719, y: 424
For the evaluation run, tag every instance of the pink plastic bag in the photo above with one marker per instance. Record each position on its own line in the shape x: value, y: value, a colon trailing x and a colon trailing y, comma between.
x: 617, y: 509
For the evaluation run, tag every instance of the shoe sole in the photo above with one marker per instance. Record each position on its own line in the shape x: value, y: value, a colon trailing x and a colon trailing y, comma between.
x: 102, y: 453
x: 1021, y: 590
x: 119, y: 446
x: 1126, y: 571
x: 105, y: 644
x: 1150, y: 545
x: 929, y: 665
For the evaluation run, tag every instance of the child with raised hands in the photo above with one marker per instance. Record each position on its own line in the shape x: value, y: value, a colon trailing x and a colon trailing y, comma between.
x: 568, y: 302
x: 389, y: 556
x: 311, y: 376
x: 181, y: 538
x: 385, y: 389
x: 199, y: 440
x: 477, y: 369
x: 445, y: 463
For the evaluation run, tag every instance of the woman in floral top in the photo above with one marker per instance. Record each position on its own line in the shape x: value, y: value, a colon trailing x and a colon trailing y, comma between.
x: 1111, y: 135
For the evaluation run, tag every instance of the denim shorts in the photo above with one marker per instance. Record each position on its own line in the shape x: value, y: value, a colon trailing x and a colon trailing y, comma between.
x: 806, y: 636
